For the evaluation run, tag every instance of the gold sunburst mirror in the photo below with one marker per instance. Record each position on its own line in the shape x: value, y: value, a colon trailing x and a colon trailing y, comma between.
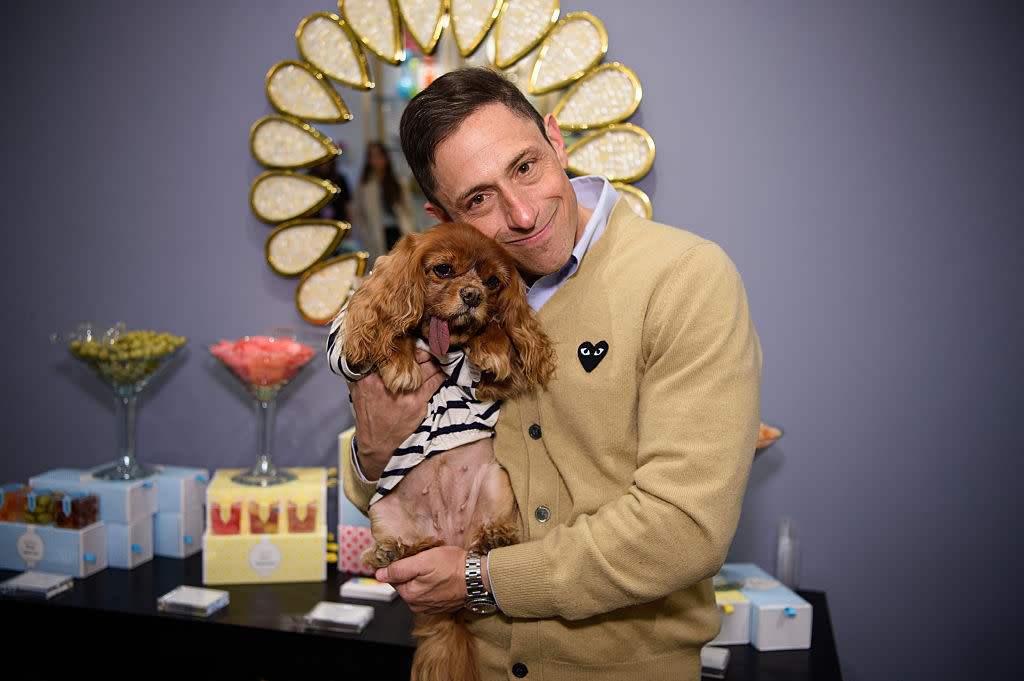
x: 556, y: 62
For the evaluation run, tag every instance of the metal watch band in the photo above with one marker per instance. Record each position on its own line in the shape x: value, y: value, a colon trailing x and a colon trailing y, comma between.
x: 478, y: 599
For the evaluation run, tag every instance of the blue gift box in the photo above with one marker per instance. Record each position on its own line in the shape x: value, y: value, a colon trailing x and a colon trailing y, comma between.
x: 178, y: 535
x: 79, y: 553
x: 180, y: 489
x: 129, y: 545
x: 121, y: 501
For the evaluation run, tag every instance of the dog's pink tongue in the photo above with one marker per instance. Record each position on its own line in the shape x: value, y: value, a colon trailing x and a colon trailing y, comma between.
x: 438, y: 336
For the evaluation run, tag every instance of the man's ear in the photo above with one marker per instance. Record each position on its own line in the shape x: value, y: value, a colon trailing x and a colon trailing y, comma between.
x: 436, y: 212
x: 556, y: 139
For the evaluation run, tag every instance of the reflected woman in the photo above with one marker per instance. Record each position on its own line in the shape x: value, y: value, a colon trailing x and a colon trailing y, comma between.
x: 383, y: 204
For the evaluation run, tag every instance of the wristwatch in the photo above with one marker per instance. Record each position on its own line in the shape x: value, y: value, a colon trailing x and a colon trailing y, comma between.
x: 478, y: 599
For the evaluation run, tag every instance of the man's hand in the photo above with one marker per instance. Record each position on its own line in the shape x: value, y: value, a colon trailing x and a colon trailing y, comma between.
x: 431, y: 582
x: 385, y: 419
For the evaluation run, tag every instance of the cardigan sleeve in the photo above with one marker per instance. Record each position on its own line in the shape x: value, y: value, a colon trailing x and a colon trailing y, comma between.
x: 697, y: 417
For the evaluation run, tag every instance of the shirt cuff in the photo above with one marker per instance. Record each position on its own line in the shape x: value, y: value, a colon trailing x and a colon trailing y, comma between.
x: 348, y: 372
x: 355, y: 461
x: 487, y: 564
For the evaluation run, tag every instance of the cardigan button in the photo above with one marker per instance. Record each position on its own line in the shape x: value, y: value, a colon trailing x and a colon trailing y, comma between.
x: 534, y: 431
x: 542, y: 514
x: 519, y: 670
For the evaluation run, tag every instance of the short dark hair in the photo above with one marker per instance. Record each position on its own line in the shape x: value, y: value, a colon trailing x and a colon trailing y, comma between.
x: 437, y: 111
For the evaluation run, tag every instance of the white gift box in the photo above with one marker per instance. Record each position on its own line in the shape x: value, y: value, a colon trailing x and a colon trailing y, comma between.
x: 779, y: 618
x: 178, y: 535
x: 79, y: 553
x: 734, y: 609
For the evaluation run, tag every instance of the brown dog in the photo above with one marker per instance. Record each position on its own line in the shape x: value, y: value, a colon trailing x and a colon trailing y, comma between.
x: 451, y: 287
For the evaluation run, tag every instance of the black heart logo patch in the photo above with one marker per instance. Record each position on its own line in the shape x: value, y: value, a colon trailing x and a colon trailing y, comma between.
x: 591, y: 355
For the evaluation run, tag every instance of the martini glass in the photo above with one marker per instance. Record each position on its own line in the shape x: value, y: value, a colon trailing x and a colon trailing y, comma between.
x: 126, y: 361
x: 264, y: 365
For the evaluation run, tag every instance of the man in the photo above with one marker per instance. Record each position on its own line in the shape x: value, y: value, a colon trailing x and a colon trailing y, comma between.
x: 629, y: 469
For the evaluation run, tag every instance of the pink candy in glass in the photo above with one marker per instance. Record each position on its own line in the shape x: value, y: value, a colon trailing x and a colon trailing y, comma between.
x: 263, y: 360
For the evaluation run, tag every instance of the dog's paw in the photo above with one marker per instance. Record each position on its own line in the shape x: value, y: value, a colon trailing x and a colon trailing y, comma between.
x: 495, y: 535
x: 401, y: 376
x: 382, y: 555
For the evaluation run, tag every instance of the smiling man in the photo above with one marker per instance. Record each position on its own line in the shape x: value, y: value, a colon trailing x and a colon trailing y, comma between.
x: 629, y: 469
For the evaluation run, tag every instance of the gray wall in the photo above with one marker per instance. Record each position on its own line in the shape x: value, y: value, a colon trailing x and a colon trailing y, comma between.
x: 861, y: 162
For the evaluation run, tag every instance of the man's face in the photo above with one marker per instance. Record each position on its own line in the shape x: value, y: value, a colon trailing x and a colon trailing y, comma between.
x: 500, y: 174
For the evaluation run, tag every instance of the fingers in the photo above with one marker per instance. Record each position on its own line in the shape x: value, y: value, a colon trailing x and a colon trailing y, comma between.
x: 432, y: 581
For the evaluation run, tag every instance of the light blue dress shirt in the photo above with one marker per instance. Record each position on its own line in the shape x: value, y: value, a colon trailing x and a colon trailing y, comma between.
x: 597, y: 194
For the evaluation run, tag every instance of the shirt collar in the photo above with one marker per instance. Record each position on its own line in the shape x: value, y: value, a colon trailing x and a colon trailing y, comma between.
x: 593, y: 192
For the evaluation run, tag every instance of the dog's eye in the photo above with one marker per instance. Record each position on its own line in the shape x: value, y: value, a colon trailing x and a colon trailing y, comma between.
x: 492, y: 283
x: 443, y: 271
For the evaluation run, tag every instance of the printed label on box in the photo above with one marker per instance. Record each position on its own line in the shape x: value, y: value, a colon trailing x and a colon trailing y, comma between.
x: 31, y: 547
x: 265, y: 558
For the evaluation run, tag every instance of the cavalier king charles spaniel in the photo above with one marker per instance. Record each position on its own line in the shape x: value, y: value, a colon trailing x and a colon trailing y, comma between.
x: 455, y: 292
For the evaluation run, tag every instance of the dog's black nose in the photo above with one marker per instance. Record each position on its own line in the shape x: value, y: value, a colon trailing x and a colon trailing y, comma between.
x: 471, y: 295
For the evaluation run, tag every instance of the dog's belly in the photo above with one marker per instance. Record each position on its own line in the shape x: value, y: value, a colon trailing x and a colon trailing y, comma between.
x: 448, y: 497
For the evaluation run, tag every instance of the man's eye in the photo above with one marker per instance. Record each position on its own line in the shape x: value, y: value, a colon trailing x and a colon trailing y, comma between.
x: 444, y: 271
x: 492, y: 283
x: 525, y: 167
x: 476, y: 200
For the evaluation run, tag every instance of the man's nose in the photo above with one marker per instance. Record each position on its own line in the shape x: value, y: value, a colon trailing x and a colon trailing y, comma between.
x: 471, y: 295
x: 520, y: 213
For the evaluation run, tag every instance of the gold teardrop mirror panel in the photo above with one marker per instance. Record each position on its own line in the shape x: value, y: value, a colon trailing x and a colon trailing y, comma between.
x: 281, y: 195
x: 332, y: 48
x: 297, y: 89
x: 325, y: 287
x: 375, y: 23
x: 295, y: 246
x: 576, y: 44
x: 470, y: 22
x: 609, y: 94
x: 520, y: 26
x: 287, y: 142
x: 423, y: 19
x: 636, y: 198
x: 622, y: 152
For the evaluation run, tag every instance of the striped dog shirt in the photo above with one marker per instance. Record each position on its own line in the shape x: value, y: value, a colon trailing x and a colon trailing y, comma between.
x: 455, y: 416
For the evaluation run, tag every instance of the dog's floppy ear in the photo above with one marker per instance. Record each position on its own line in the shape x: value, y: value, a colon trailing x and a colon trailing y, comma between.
x: 535, y: 355
x: 385, y: 307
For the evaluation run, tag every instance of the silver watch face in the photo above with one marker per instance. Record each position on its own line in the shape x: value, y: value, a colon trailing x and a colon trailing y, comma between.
x: 482, y: 607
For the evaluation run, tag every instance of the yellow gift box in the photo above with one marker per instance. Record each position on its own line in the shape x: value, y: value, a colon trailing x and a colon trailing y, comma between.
x: 266, y: 534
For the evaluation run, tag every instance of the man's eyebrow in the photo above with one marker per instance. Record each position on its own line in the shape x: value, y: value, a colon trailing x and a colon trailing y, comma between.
x: 476, y: 189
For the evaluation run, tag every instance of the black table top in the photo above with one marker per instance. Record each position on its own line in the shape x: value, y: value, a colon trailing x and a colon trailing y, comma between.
x: 109, y: 624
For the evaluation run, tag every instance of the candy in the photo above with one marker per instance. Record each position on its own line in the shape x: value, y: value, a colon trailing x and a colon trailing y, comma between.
x: 11, y: 499
x: 229, y: 522
x: 301, y: 518
x: 263, y: 518
x: 262, y: 360
x: 39, y: 506
x: 130, y: 357
x: 77, y: 509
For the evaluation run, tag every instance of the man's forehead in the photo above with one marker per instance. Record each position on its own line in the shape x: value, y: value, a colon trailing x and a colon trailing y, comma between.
x: 484, y: 142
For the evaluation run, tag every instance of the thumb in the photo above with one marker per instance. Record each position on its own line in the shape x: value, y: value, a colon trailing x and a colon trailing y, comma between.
x: 395, y: 573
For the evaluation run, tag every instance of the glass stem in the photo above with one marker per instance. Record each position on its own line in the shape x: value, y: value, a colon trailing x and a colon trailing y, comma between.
x: 125, y: 406
x: 264, y: 438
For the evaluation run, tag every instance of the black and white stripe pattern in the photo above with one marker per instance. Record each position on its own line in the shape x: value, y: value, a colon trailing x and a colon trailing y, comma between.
x: 454, y: 416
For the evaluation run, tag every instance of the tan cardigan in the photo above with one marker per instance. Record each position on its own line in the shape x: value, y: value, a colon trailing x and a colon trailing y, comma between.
x: 640, y: 464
